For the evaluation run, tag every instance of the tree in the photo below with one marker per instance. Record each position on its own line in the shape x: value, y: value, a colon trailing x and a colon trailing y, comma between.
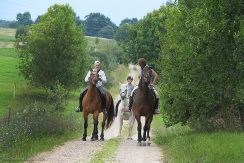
x: 94, y: 22
x: 122, y: 34
x: 24, y: 19
x: 106, y: 32
x: 128, y: 21
x: 202, y: 64
x: 53, y: 50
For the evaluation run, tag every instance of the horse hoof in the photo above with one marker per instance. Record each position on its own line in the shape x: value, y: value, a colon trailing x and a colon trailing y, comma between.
x: 102, y: 139
x: 83, y: 139
x: 93, y: 139
x: 143, y: 143
x: 148, y: 143
x: 139, y: 143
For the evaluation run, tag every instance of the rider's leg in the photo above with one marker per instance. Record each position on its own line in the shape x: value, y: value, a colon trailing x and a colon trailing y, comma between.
x: 156, y: 101
x: 131, y: 97
x: 82, y: 94
x: 103, y: 98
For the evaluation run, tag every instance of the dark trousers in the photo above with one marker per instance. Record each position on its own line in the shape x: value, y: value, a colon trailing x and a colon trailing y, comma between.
x: 131, y: 100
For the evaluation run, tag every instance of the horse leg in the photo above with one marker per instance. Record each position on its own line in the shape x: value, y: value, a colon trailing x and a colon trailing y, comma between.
x: 103, y: 124
x: 85, y: 115
x: 131, y: 123
x: 95, y: 131
x: 138, y: 119
x: 145, y: 129
x: 120, y: 124
x: 148, y: 129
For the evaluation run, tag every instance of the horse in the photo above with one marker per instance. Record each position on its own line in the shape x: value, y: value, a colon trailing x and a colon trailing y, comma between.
x: 122, y: 110
x: 143, y: 105
x: 91, y: 104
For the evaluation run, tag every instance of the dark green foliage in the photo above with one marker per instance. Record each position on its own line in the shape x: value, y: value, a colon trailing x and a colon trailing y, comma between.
x: 53, y: 51
x: 106, y: 32
x: 94, y: 22
x: 202, y: 64
x: 142, y: 39
x: 128, y: 21
x: 197, y: 46
x: 24, y: 19
x: 21, y: 31
x: 122, y: 34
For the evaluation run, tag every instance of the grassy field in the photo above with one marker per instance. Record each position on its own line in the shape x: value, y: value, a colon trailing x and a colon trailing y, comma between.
x: 9, y: 77
x: 7, y: 37
x: 181, y: 144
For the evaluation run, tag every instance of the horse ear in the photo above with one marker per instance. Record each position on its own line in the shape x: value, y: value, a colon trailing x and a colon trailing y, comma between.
x: 91, y: 68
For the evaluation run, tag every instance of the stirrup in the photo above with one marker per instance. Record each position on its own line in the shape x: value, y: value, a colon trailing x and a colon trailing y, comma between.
x: 78, y: 109
x: 105, y: 112
x: 156, y: 111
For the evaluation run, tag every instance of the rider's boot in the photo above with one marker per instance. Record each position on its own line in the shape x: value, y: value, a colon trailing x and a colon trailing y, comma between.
x: 79, y: 108
x: 156, y: 107
x: 130, y: 102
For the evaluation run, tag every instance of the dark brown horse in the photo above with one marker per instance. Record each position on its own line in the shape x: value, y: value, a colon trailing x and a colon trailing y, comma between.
x: 91, y: 104
x: 143, y: 105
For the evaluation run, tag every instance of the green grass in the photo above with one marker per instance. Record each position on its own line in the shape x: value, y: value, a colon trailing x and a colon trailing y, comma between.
x: 9, y: 76
x: 24, y: 150
x: 108, y: 150
x: 7, y: 37
x: 4, y: 38
x: 181, y: 144
x: 119, y: 75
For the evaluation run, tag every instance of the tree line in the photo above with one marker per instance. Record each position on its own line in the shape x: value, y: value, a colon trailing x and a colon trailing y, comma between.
x: 197, y: 48
x: 95, y: 24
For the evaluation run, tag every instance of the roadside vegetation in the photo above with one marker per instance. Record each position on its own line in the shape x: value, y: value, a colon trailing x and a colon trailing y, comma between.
x: 34, y: 117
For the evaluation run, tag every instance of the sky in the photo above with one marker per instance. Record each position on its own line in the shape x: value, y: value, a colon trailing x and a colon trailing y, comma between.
x: 116, y: 10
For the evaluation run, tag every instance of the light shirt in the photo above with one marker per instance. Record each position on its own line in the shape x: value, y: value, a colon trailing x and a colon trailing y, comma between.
x: 130, y: 87
x: 101, y: 76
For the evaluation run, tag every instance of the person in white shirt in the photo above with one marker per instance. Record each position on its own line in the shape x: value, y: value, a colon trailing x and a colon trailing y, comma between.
x: 102, y: 79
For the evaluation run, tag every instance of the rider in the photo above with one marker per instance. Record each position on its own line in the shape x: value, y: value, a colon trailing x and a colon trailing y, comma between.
x: 129, y: 87
x: 101, y: 79
x: 142, y: 63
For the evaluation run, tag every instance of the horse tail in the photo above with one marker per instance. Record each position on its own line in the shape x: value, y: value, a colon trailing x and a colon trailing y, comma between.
x: 110, y: 118
x: 116, y: 108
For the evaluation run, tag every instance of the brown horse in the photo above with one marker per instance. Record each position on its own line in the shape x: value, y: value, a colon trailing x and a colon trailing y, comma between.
x: 143, y: 105
x: 91, y: 104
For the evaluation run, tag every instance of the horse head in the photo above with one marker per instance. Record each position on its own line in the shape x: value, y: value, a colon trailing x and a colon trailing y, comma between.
x: 93, y: 76
x: 146, y: 75
x: 123, y: 91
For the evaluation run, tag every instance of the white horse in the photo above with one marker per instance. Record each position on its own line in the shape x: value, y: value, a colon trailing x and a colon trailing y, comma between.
x: 122, y: 110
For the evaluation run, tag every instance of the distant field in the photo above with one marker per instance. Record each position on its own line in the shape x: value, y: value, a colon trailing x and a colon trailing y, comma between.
x: 7, y: 38
x: 7, y: 31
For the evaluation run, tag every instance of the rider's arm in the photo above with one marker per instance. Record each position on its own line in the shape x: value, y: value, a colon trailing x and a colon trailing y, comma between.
x: 87, y: 76
x: 155, y: 77
x: 103, y: 77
